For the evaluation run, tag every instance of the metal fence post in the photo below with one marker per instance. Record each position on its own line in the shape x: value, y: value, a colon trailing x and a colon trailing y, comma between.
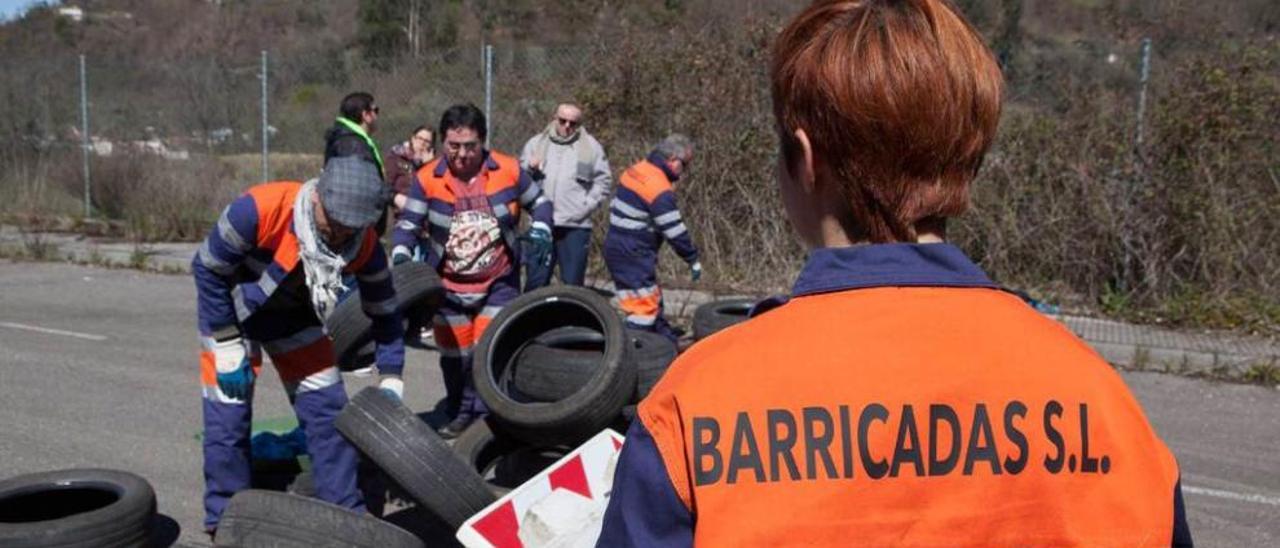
x: 266, y: 170
x: 1142, y: 97
x: 85, y: 142
x: 488, y: 94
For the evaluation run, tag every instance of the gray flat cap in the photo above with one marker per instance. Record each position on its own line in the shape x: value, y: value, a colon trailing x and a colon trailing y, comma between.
x: 351, y: 191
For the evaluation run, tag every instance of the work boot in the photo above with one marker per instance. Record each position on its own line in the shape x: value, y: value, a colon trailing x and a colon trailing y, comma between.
x: 457, y: 426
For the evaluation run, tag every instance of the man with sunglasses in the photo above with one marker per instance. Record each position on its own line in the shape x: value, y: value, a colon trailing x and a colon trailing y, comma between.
x: 352, y: 130
x: 574, y: 173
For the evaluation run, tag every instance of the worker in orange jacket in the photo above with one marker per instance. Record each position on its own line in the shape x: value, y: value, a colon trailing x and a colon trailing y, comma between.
x: 900, y: 397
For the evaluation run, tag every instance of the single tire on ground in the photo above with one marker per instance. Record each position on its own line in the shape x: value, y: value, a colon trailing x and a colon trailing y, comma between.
x: 581, y: 414
x: 79, y: 507
x: 261, y: 519
x: 414, y: 456
x: 418, y: 289
x: 714, y: 316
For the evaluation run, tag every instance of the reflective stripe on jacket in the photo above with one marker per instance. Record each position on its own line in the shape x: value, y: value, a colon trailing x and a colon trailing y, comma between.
x: 251, y: 250
x: 900, y: 398
x: 428, y: 213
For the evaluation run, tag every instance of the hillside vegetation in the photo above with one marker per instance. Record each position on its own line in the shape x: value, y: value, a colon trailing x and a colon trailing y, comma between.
x: 1182, y: 228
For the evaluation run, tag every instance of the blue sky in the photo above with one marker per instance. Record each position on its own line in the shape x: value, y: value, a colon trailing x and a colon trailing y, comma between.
x: 11, y: 8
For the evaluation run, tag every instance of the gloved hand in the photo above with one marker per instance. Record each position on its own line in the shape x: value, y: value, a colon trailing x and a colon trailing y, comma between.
x: 540, y: 240
x: 695, y: 271
x: 234, y: 370
x: 393, y: 386
x: 400, y: 255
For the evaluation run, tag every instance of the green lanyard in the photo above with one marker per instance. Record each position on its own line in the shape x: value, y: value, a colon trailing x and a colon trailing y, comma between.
x: 367, y: 140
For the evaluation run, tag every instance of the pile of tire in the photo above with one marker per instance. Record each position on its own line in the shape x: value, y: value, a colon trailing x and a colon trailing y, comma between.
x: 555, y: 367
x: 78, y: 507
x: 714, y: 316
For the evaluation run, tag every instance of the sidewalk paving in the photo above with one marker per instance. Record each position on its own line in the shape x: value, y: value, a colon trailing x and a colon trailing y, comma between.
x: 1186, y: 352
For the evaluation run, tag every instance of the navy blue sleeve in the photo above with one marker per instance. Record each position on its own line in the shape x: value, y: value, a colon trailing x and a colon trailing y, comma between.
x: 1181, y: 531
x: 644, y: 509
x: 666, y: 216
x: 378, y: 300
x: 215, y: 265
x: 410, y: 222
x: 533, y: 201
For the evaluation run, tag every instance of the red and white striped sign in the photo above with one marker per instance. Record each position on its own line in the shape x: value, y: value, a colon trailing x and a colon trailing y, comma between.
x: 586, y: 471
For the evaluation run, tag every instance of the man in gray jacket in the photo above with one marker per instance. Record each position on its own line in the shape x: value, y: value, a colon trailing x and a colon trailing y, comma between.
x: 573, y: 171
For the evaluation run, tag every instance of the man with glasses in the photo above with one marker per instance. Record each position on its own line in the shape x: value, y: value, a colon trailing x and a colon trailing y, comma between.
x: 573, y: 171
x: 464, y: 211
x: 642, y: 216
x: 350, y: 134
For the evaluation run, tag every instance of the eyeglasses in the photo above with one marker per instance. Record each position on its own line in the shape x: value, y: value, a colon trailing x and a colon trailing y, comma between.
x: 376, y: 110
x: 453, y: 146
x: 568, y: 122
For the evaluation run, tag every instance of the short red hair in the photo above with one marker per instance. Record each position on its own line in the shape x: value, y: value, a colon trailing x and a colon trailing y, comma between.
x: 900, y: 100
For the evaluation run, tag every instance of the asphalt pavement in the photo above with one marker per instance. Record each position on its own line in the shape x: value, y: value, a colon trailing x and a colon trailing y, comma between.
x: 98, y: 369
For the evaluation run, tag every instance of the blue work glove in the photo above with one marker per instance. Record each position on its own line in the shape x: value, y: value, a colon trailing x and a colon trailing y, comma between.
x: 234, y: 369
x: 540, y: 240
x: 695, y: 271
x: 400, y: 255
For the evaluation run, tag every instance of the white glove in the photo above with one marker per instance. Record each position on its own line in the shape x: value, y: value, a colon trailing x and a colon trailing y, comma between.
x: 695, y: 271
x: 401, y: 254
x: 229, y: 354
x: 393, y: 385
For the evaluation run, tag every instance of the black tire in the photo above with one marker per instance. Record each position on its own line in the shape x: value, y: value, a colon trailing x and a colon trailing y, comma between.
x: 557, y: 364
x: 561, y: 362
x: 581, y: 414
x: 652, y: 354
x: 717, y: 315
x: 263, y: 519
x: 79, y: 507
x: 504, y: 463
x: 418, y: 289
x: 414, y: 456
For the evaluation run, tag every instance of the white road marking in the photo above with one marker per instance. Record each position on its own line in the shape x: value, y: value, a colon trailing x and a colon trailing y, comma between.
x: 38, y: 329
x: 1246, y: 497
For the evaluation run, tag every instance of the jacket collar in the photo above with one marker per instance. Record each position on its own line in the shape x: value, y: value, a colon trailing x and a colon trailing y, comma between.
x: 442, y: 166
x: 831, y: 269
x: 881, y: 265
x: 657, y: 160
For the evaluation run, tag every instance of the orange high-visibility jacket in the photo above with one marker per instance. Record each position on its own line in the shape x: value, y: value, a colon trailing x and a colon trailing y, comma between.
x: 899, y: 398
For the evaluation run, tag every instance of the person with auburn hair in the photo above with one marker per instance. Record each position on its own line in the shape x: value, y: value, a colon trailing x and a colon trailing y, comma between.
x: 899, y: 396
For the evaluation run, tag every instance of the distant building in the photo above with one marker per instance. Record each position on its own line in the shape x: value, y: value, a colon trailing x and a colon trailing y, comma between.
x: 73, y: 13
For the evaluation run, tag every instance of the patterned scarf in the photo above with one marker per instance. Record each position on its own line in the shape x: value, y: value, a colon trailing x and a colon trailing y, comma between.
x: 322, y: 266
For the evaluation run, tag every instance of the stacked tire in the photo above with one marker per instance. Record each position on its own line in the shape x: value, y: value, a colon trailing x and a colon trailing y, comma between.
x: 418, y: 293
x: 414, y: 456
x: 555, y: 367
x: 580, y: 320
x: 717, y: 315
